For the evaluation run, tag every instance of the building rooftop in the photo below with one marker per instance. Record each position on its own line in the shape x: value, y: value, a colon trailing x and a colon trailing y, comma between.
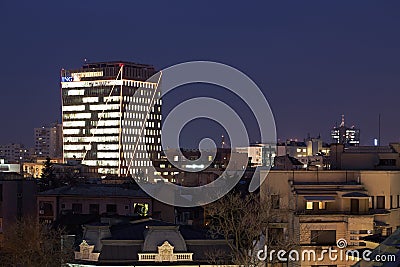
x: 96, y: 190
x: 136, y: 230
x: 104, y: 64
x: 369, y: 149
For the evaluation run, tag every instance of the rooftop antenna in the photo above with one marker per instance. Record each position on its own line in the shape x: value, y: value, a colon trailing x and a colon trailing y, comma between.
x: 342, y: 124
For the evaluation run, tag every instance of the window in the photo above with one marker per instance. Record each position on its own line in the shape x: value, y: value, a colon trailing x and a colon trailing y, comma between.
x: 141, y: 209
x: 94, y: 209
x: 371, y: 202
x: 275, y: 201
x: 322, y: 205
x: 323, y: 237
x: 62, y: 206
x: 387, y: 162
x: 391, y: 202
x: 398, y: 201
x: 111, y: 208
x: 389, y: 231
x: 380, y: 202
x: 309, y: 205
x: 77, y: 208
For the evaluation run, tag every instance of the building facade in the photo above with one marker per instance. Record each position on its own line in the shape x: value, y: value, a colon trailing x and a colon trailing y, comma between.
x: 259, y: 154
x: 148, y: 243
x: 17, y: 199
x: 365, y: 157
x: 349, y: 136
x: 96, y: 100
x: 48, y: 141
x: 318, y: 208
x: 100, y: 199
x: 14, y: 153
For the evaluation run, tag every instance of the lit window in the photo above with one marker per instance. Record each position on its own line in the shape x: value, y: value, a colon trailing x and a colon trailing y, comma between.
x: 309, y: 205
x: 322, y: 205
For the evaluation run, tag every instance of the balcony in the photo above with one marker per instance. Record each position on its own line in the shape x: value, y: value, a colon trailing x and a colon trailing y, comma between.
x: 165, y: 254
x: 339, y: 212
x: 156, y: 257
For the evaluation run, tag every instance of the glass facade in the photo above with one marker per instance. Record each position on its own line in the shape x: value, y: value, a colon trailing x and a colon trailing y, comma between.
x: 97, y: 100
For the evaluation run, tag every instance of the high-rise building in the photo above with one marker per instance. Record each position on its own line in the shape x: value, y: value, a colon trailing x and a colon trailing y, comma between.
x: 97, y: 100
x: 349, y: 136
x: 48, y: 141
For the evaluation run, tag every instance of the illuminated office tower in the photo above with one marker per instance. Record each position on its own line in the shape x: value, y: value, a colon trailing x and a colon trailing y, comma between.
x: 345, y: 135
x: 95, y: 101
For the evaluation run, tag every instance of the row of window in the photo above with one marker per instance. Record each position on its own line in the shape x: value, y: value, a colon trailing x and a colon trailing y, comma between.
x: 379, y: 202
x: 138, y: 208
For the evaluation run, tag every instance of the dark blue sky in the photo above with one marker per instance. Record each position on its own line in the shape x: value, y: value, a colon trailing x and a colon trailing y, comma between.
x: 314, y: 60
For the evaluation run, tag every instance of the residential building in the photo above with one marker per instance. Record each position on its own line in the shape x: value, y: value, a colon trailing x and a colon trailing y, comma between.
x: 105, y: 104
x: 14, y: 153
x: 216, y: 160
x: 349, y: 136
x: 259, y: 154
x: 365, y: 157
x: 98, y: 199
x: 312, y: 152
x: 35, y: 169
x: 287, y: 162
x: 148, y: 242
x: 317, y: 208
x: 48, y: 141
x: 9, y: 167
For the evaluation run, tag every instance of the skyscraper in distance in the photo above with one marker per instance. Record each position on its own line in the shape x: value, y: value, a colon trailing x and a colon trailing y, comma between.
x: 48, y: 141
x: 96, y: 99
x: 348, y: 136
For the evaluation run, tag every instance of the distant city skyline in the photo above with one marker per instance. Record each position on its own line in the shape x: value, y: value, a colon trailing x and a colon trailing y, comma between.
x: 314, y: 61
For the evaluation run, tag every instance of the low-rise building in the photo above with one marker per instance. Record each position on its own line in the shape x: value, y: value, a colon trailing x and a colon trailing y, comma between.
x: 318, y: 208
x: 9, y: 167
x: 259, y: 154
x: 35, y: 169
x: 365, y: 157
x: 17, y: 199
x: 148, y: 242
x: 127, y: 200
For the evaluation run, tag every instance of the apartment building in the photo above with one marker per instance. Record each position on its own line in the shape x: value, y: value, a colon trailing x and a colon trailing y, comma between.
x: 100, y: 199
x: 318, y: 208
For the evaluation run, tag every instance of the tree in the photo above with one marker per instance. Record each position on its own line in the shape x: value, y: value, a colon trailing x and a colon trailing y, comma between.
x: 247, y: 225
x: 47, y: 171
x: 47, y: 178
x: 30, y: 243
x: 56, y: 177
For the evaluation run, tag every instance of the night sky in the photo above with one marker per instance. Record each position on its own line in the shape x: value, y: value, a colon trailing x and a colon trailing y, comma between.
x: 314, y: 60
